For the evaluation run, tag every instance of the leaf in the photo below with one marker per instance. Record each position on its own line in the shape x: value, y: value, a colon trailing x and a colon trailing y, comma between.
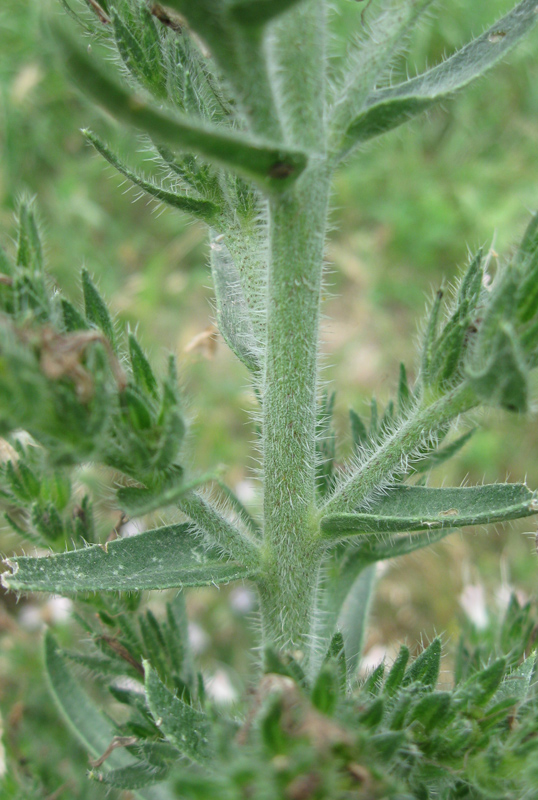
x: 385, y: 109
x: 482, y: 686
x: 353, y: 618
x: 272, y: 166
x: 432, y: 711
x: 404, y: 393
x: 359, y: 434
x: 378, y: 549
x: 373, y: 52
x: 185, y: 727
x: 258, y: 12
x: 340, y: 579
x: 142, y: 372
x: 517, y: 683
x: 233, y: 315
x: 326, y: 690
x: 137, y: 502
x: 95, y: 307
x: 425, y: 668
x: 163, y: 558
x: 419, y: 508
x: 141, y: 49
x: 203, y: 209
x: 92, y: 729
x: 504, y: 379
x: 135, y: 776
x: 72, y: 318
x: 374, y: 681
x: 29, y: 248
x: 397, y: 672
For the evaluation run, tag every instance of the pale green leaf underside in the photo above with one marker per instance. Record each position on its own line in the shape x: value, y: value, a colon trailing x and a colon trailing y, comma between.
x: 267, y: 164
x: 233, y: 316
x: 164, y: 558
x: 91, y: 728
x: 387, y: 108
x: 419, y: 508
x: 184, y: 726
x: 352, y: 569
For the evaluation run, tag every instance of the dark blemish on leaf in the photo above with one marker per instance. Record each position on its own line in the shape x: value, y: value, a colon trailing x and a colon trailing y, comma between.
x: 165, y: 18
x: 281, y: 170
x: 101, y: 13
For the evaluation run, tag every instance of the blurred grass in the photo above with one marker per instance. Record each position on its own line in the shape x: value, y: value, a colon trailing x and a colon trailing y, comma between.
x: 406, y: 213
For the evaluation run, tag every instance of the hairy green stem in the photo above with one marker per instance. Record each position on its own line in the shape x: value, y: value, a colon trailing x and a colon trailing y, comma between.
x: 292, y: 557
x: 297, y: 225
x: 387, y: 459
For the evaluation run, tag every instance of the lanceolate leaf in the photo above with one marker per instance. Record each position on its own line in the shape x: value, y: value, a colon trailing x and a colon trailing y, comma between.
x: 385, y: 109
x: 92, y: 729
x: 164, y: 558
x: 184, y: 726
x: 373, y: 52
x: 341, y: 576
x: 419, y: 508
x: 233, y: 317
x: 95, y: 307
x: 353, y: 617
x: 270, y: 165
x: 203, y: 209
x: 135, y: 776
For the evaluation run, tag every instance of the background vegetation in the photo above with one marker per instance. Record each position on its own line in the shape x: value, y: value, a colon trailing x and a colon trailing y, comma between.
x: 406, y: 214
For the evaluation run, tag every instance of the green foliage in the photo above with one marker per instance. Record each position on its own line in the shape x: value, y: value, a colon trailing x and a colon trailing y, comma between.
x: 385, y: 109
x: 398, y: 733
x: 417, y: 508
x: 160, y: 559
x: 246, y: 119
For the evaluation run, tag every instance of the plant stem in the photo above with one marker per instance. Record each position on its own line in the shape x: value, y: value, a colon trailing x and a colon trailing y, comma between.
x: 292, y: 555
x: 297, y: 224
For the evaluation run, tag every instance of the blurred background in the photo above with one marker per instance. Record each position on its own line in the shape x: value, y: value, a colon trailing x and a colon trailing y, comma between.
x: 406, y: 213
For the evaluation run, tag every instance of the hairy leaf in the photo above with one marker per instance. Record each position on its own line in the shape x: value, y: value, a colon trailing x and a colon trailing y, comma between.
x: 184, y: 726
x: 92, y: 729
x: 419, y: 508
x: 371, y: 55
x: 135, y: 776
x: 385, y: 109
x: 272, y: 166
x: 233, y: 315
x: 203, y: 209
x: 163, y: 558
x: 95, y: 307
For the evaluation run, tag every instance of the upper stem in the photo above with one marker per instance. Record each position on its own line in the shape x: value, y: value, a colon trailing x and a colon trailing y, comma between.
x: 292, y: 556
